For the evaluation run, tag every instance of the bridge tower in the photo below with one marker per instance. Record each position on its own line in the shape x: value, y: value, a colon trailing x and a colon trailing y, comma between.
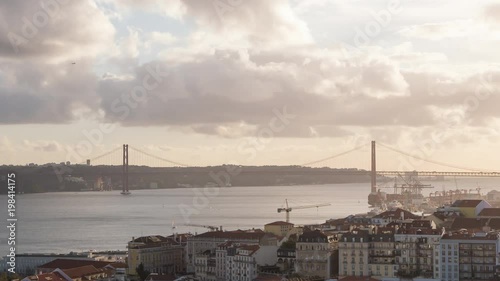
x: 374, y: 169
x: 125, y: 170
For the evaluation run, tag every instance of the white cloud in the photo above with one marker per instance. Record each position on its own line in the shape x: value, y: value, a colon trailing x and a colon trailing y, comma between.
x: 438, y: 31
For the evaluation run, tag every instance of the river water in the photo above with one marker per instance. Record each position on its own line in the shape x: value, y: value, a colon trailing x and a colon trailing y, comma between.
x: 70, y: 221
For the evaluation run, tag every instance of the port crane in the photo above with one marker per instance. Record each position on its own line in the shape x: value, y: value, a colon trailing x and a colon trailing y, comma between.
x: 289, y: 209
x: 212, y: 228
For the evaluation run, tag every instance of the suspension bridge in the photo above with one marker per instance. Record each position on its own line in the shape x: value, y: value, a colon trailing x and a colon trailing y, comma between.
x: 352, y: 162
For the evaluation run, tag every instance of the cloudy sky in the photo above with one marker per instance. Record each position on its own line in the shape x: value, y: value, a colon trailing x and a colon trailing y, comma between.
x: 251, y: 81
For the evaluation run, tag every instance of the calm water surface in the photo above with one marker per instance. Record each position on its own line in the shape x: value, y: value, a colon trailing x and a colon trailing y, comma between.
x: 63, y: 222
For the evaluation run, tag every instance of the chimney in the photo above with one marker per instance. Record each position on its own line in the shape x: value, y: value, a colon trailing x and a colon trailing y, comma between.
x: 402, y: 215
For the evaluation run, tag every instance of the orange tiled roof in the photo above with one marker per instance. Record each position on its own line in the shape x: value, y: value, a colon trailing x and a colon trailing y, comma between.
x: 280, y: 223
x: 490, y: 212
x: 358, y: 278
x: 82, y: 271
x: 466, y: 203
x: 53, y: 276
x: 69, y: 263
x: 250, y: 248
x: 237, y: 234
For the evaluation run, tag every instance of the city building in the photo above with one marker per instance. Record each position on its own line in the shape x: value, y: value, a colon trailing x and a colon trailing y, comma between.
x: 220, y: 260
x: 210, y: 240
x: 468, y: 256
x: 382, y: 255
x: 244, y: 262
x: 313, y: 254
x: 415, y: 252
x: 470, y: 208
x: 353, y: 253
x: 64, y: 264
x: 395, y: 215
x: 278, y: 228
x: 157, y: 254
x: 205, y: 266
x: 489, y: 213
x: 286, y: 260
x: 80, y: 273
x: 26, y: 264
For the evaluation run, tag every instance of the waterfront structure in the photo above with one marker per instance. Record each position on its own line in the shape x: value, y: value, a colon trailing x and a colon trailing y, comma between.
x: 158, y: 254
x: 278, y: 228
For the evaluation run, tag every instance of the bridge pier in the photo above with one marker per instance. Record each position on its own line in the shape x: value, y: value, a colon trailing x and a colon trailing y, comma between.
x: 125, y: 170
x: 374, y: 170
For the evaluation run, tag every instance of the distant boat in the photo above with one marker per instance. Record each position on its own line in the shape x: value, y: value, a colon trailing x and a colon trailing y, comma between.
x: 125, y: 193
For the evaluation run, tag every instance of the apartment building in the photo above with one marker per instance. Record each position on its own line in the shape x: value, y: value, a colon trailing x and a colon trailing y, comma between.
x: 382, y: 255
x: 286, y: 260
x: 210, y: 240
x: 205, y: 266
x: 244, y: 262
x: 467, y: 256
x: 353, y: 253
x: 313, y: 254
x: 278, y: 228
x: 158, y: 254
x: 415, y: 249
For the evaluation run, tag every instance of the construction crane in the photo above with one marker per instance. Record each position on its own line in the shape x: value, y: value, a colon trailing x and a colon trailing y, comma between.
x: 289, y: 209
x: 212, y: 228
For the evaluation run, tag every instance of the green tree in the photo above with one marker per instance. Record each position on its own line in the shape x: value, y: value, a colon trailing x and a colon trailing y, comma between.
x: 6, y: 276
x: 143, y: 274
x: 289, y: 244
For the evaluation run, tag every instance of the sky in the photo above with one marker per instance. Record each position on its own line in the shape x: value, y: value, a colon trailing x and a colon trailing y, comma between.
x: 207, y: 82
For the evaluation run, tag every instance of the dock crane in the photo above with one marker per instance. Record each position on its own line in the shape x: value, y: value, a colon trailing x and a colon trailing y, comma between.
x: 289, y: 209
x: 212, y: 228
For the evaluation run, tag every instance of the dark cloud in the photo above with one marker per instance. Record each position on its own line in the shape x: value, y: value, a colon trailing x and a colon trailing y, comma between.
x: 229, y: 91
x: 45, y: 93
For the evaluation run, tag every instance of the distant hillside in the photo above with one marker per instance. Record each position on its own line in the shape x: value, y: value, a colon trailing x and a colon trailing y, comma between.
x: 53, y: 178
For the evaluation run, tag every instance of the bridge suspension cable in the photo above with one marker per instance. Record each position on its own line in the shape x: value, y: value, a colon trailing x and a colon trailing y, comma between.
x: 159, y: 158
x: 443, y: 164
x: 334, y: 156
x: 105, y: 154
